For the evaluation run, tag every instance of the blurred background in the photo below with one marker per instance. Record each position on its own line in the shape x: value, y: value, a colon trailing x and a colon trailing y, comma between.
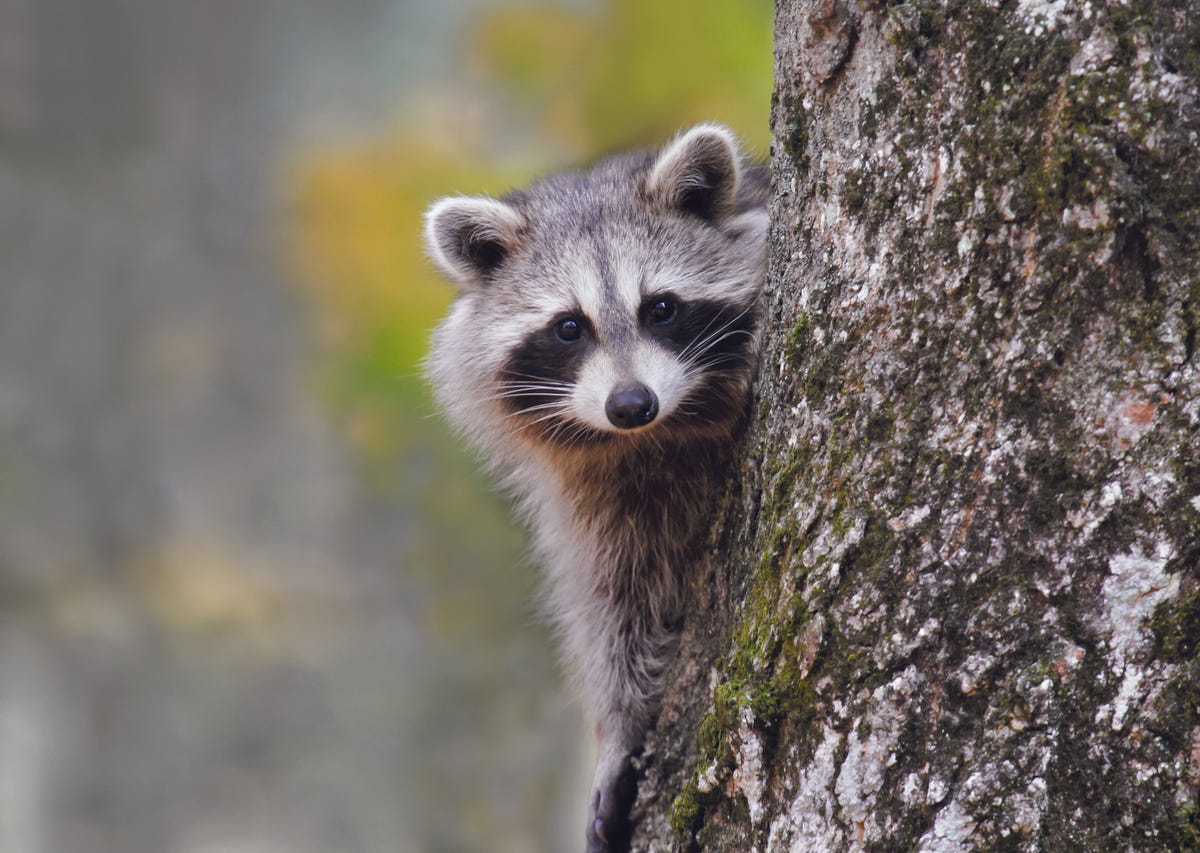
x: 253, y: 595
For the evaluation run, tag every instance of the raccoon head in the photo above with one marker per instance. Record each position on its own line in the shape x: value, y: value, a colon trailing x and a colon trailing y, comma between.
x: 618, y: 304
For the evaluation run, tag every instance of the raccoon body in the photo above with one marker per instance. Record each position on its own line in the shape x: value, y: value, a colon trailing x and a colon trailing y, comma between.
x: 600, y: 355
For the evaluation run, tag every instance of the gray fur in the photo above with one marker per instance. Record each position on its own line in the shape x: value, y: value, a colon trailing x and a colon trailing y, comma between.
x: 617, y: 515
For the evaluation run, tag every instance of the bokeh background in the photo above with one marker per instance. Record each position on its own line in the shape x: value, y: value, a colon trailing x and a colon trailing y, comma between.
x: 253, y: 595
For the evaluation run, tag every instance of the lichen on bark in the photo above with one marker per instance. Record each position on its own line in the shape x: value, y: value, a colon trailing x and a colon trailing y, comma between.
x: 953, y: 600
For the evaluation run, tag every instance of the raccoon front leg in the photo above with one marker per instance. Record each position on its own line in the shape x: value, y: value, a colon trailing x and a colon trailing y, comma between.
x: 628, y: 664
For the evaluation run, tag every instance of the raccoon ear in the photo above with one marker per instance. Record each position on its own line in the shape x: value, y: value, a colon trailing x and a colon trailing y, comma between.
x: 470, y: 236
x: 697, y: 173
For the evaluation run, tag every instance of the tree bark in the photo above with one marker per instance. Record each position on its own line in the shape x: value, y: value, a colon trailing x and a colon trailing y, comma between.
x: 954, y: 601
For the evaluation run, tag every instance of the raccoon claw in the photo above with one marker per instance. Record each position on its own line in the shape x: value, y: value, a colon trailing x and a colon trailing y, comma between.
x: 598, y: 837
x: 610, y: 830
x: 597, y: 834
x: 596, y: 840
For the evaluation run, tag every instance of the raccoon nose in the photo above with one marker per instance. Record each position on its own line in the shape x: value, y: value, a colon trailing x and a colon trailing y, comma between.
x: 631, y: 407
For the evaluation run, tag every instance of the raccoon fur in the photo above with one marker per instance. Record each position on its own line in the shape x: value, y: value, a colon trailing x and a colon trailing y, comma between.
x: 599, y: 355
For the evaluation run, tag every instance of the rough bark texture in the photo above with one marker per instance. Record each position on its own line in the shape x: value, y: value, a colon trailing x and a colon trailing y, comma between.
x: 955, y: 599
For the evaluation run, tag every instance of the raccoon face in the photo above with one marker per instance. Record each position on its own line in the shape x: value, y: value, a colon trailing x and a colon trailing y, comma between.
x: 636, y: 363
x: 617, y: 305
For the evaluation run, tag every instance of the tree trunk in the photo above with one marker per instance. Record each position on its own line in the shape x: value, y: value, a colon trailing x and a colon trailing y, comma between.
x: 954, y: 602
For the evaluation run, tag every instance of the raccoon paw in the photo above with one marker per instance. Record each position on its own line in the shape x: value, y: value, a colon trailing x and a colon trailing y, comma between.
x: 607, y: 833
x: 609, y: 829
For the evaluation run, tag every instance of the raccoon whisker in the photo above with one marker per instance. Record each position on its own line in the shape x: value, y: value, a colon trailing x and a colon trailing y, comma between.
x: 539, y: 377
x: 658, y: 442
x: 552, y: 406
x: 727, y: 335
x: 525, y: 392
x: 548, y: 431
x: 553, y: 433
x: 571, y: 440
x: 507, y: 391
x: 533, y: 380
x: 541, y: 380
x: 578, y: 433
x: 700, y: 334
x: 707, y: 364
x: 576, y: 437
x: 556, y: 400
x: 549, y: 393
x: 708, y: 354
x: 555, y: 418
x: 707, y: 342
x: 739, y: 315
x: 696, y: 413
x: 732, y: 355
x: 558, y: 386
x: 722, y: 362
x: 553, y: 409
x: 709, y: 391
x: 696, y: 370
x: 521, y: 389
x: 567, y: 430
x: 570, y: 434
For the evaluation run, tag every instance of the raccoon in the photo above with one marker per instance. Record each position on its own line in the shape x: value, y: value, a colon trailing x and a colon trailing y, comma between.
x: 599, y: 355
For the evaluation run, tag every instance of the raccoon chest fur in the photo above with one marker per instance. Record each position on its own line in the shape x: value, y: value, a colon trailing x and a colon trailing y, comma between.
x: 599, y: 356
x: 641, y: 516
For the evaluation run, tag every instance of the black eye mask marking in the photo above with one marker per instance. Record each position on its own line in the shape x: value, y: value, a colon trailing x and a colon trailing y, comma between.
x: 542, y: 370
x: 703, y: 331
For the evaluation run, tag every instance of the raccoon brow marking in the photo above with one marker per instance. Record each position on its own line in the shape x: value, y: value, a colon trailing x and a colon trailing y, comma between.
x: 616, y: 330
x: 608, y: 287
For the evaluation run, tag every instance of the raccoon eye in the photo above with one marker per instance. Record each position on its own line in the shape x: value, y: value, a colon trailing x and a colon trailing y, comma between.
x: 568, y: 330
x: 661, y: 312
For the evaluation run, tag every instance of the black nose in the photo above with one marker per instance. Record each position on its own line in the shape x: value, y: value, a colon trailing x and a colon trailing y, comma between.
x: 631, y: 407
